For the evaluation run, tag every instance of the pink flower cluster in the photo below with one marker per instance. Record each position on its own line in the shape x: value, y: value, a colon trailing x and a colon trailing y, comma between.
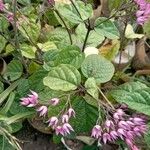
x: 2, y: 6
x: 143, y: 14
x: 61, y: 126
x: 31, y: 100
x: 120, y: 127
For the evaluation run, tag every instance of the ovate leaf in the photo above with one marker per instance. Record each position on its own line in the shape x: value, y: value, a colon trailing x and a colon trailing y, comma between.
x: 97, y: 67
x: 135, y: 94
x: 63, y: 77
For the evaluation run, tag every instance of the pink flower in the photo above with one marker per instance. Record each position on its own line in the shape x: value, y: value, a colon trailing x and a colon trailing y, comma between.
x: 106, y: 137
x: 116, y: 116
x: 54, y: 101
x: 43, y: 110
x: 10, y: 17
x: 59, y: 130
x: 129, y: 142
x: 96, y: 131
x: 31, y: 100
x: 65, y: 118
x: 25, y: 101
x: 143, y: 14
x: 71, y: 112
x: 121, y: 132
x: 109, y: 123
x: 124, y: 125
x: 67, y: 128
x: 138, y: 121
x: 64, y: 130
x: 130, y: 135
x: 113, y: 135
x: 52, y: 121
x: 120, y: 112
x: 134, y: 147
x: 2, y: 6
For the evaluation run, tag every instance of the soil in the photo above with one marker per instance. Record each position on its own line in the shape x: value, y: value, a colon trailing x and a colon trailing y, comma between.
x: 31, y: 139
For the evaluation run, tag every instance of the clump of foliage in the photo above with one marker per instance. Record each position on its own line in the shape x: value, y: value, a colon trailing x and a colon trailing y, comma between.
x: 67, y: 64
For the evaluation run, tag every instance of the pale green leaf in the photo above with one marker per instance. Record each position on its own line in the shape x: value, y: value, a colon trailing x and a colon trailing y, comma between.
x: 47, y: 46
x: 130, y: 34
x: 98, y: 67
x: 28, y: 51
x: 63, y: 77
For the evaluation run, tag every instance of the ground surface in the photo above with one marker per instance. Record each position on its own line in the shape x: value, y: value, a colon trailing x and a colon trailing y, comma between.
x: 34, y: 140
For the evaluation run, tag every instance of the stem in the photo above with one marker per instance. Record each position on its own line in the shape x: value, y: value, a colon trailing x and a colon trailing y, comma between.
x: 64, y: 25
x: 106, y: 98
x: 16, y: 34
x: 86, y: 38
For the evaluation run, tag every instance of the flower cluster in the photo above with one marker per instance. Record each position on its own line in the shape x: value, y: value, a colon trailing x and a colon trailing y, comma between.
x: 120, y: 127
x: 143, y: 14
x: 60, y: 125
x: 2, y: 6
x: 31, y: 100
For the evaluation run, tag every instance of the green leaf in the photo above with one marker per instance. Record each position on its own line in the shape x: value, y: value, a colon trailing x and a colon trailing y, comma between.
x: 1, y: 87
x: 2, y: 43
x: 57, y: 36
x: 70, y: 55
x: 23, y: 87
x: 36, y: 80
x: 4, y: 94
x: 146, y: 28
x: 16, y: 127
x: 97, y: 67
x: 86, y: 115
x: 68, y: 13
x: 86, y: 10
x: 8, y: 104
x: 28, y: 51
x: 29, y: 28
x: 24, y: 2
x: 17, y: 117
x: 147, y: 138
x: 92, y: 88
x: 14, y: 70
x: 106, y: 27
x: 63, y: 77
x: 4, y: 144
x: 3, y: 24
x: 135, y: 94
x: 47, y: 46
x: 94, y: 37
